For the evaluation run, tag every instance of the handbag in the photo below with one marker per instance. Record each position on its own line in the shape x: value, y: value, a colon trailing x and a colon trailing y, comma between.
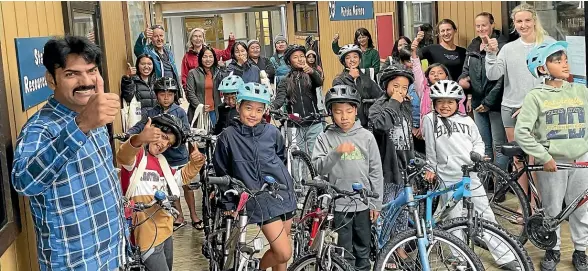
x: 131, y: 113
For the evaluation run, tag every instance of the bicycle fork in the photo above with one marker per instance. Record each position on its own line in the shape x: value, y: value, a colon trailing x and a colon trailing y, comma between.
x: 421, y: 232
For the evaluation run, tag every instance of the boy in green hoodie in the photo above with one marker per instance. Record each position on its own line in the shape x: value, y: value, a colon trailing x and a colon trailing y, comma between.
x: 551, y: 127
x: 348, y: 153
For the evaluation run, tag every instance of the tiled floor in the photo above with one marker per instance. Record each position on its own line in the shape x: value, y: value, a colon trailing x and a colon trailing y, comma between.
x: 188, y: 242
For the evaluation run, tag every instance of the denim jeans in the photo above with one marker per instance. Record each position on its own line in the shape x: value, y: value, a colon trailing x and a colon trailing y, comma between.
x: 493, y: 134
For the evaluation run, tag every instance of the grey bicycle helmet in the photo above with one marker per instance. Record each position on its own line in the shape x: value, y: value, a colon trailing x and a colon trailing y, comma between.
x: 342, y: 94
x: 346, y: 49
x: 446, y: 89
x: 393, y: 71
x: 165, y: 84
x: 170, y: 124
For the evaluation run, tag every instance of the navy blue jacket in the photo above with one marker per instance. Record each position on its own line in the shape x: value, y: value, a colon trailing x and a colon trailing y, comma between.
x: 174, y: 156
x: 249, y: 154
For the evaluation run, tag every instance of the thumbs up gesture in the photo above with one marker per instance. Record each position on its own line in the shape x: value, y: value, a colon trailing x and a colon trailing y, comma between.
x: 149, y: 134
x: 196, y: 156
x: 492, y: 46
x: 101, y: 108
x: 131, y: 71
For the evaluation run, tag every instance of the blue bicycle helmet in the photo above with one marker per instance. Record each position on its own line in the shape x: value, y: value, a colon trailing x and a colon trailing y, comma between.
x: 254, y: 92
x: 231, y: 84
x: 537, y: 57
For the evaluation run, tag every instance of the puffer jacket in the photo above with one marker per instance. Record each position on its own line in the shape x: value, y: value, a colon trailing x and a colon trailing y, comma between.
x: 368, y: 89
x: 484, y: 91
x: 195, y: 88
x: 248, y: 72
x: 264, y: 64
x: 135, y: 87
x: 305, y: 101
x: 250, y: 154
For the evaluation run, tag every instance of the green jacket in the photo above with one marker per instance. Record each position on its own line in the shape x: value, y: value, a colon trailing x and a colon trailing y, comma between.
x: 369, y: 59
x: 552, y: 122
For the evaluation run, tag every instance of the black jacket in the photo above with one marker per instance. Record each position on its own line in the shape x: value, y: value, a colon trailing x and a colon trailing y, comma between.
x: 483, y: 90
x: 225, y: 117
x: 305, y: 100
x: 248, y: 72
x: 264, y: 64
x: 135, y: 87
x: 195, y: 88
x: 368, y: 89
x: 250, y: 154
x: 392, y: 123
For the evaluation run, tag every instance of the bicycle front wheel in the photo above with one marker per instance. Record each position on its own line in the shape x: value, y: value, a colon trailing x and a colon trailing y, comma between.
x: 493, y: 244
x: 302, y: 170
x: 309, y: 262
x: 444, y: 252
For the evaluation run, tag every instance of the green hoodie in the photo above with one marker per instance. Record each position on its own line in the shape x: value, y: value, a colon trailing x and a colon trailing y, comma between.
x: 362, y: 165
x: 552, y: 122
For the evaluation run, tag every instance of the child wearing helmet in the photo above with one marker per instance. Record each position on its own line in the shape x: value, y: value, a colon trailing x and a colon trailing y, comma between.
x: 251, y: 150
x: 144, y: 171
x: 449, y: 138
x: 551, y: 127
x: 350, y: 57
x: 227, y: 110
x: 348, y: 153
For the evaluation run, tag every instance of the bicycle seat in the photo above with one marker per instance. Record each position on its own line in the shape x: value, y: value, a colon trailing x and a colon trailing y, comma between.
x: 511, y: 149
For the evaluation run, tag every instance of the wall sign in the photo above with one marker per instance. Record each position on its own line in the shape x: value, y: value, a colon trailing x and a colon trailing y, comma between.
x: 31, y: 72
x: 351, y: 10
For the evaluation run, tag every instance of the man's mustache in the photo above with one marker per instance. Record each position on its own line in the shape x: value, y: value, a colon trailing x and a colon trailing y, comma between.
x: 82, y: 88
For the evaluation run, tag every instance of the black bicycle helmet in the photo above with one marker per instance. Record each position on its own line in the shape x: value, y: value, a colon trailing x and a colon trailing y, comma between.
x: 342, y: 94
x: 290, y: 50
x: 165, y: 83
x: 170, y: 124
x: 393, y: 71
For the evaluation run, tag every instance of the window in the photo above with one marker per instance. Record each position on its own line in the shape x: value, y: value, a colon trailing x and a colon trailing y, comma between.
x: 306, y: 18
x: 413, y: 14
x: 136, y: 17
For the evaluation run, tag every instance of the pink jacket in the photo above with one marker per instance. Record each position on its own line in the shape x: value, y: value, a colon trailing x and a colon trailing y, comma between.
x: 422, y: 89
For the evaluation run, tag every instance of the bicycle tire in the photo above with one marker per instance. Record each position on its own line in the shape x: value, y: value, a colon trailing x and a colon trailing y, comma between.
x: 410, y: 236
x: 310, y: 258
x: 305, y: 158
x: 520, y: 200
x: 515, y: 245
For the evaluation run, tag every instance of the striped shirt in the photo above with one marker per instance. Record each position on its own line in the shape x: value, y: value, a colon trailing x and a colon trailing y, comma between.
x: 74, y: 193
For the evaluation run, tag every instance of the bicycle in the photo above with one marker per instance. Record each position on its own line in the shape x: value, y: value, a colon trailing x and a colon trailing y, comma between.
x: 296, y: 159
x: 403, y: 245
x: 234, y: 242
x: 134, y: 260
x: 538, y: 228
x: 318, y: 245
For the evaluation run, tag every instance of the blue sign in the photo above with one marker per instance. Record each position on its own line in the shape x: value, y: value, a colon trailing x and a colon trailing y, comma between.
x: 351, y: 10
x: 31, y: 72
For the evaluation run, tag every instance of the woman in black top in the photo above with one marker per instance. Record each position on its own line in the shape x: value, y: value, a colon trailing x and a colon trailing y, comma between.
x: 138, y: 82
x: 446, y: 52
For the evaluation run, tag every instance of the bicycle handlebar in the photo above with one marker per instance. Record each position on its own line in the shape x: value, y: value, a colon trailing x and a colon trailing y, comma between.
x: 291, y: 117
x: 159, y: 199
x: 363, y: 192
x: 227, y: 181
x: 368, y: 101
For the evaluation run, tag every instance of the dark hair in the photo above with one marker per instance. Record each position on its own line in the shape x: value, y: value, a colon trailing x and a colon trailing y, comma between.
x: 139, y: 61
x: 395, y: 54
x: 201, y: 55
x: 437, y: 65
x: 487, y: 15
x: 556, y: 56
x: 404, y: 54
x: 56, y: 51
x: 446, y: 21
x: 363, y: 32
x: 235, y: 48
x: 291, y: 85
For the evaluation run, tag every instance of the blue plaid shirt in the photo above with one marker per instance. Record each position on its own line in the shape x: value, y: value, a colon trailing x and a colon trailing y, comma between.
x: 75, y: 196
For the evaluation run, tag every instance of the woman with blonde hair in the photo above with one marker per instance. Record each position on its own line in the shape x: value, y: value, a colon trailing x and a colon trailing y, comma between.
x: 197, y: 41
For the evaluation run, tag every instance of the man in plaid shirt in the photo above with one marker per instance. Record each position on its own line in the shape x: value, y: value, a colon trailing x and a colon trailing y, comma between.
x: 63, y: 162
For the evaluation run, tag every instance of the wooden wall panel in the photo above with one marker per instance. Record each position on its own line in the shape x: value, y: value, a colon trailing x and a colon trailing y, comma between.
x: 328, y: 29
x: 463, y: 14
x: 23, y: 19
x: 115, y: 45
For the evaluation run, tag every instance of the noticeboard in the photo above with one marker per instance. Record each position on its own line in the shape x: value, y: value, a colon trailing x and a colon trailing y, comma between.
x: 31, y: 72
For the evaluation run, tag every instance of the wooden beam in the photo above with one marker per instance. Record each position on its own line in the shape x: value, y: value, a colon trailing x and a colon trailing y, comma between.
x: 213, y: 5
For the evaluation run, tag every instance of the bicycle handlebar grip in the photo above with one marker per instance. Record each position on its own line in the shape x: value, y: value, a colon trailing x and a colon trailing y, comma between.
x: 224, y: 180
x: 282, y: 187
x: 371, y: 194
x: 476, y: 157
x: 173, y: 198
x: 276, y: 112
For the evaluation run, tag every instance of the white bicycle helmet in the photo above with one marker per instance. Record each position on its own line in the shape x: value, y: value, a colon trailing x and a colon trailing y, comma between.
x: 446, y: 89
x: 346, y: 49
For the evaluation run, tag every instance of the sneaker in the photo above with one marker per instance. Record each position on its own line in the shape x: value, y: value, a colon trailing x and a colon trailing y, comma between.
x: 579, y: 260
x: 550, y: 260
x: 512, y: 266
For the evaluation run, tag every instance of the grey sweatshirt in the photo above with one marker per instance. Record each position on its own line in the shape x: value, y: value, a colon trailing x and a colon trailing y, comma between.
x: 363, y: 165
x: 446, y: 154
x: 512, y: 63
